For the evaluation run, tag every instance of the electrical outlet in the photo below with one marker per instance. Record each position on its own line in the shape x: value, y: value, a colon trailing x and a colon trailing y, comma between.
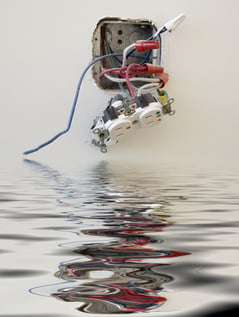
x: 119, y: 128
x: 151, y: 115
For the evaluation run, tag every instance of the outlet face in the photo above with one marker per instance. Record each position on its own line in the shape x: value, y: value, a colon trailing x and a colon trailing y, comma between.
x: 150, y: 116
x: 119, y: 128
x: 113, y: 35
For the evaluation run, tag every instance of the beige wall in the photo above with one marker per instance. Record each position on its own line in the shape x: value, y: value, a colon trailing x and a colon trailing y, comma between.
x: 46, y: 44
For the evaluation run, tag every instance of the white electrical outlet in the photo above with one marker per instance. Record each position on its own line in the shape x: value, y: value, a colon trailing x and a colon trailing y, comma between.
x: 119, y: 128
x: 151, y: 115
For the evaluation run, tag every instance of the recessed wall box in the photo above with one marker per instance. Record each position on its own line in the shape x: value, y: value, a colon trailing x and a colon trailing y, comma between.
x: 112, y: 35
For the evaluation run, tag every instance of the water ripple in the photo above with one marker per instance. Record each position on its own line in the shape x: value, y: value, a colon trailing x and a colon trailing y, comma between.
x: 140, y: 239
x: 6, y: 273
x: 23, y: 237
x: 119, y: 278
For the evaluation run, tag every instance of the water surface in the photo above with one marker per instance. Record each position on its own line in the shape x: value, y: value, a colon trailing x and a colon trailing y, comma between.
x: 117, y: 239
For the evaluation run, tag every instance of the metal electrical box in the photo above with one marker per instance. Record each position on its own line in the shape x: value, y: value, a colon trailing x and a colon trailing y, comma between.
x: 112, y: 35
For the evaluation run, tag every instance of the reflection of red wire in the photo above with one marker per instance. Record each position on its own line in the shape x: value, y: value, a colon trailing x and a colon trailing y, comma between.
x: 126, y: 298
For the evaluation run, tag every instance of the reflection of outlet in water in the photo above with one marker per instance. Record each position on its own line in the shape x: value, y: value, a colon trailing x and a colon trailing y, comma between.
x: 98, y: 274
x: 112, y: 35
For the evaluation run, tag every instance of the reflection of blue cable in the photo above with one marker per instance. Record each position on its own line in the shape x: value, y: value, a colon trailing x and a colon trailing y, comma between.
x: 73, y: 105
x: 32, y: 290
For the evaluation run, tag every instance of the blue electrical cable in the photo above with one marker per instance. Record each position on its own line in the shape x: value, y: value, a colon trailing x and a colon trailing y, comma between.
x: 73, y: 105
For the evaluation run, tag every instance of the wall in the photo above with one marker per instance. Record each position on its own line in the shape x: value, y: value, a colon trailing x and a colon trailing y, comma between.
x: 46, y: 44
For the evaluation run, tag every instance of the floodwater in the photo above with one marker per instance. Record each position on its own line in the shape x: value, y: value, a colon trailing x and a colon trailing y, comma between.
x: 119, y: 239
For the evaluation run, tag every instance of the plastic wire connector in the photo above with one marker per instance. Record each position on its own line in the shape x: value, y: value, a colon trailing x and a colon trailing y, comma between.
x: 164, y: 79
x: 142, y: 46
x: 73, y: 107
x: 172, y: 24
x: 153, y: 69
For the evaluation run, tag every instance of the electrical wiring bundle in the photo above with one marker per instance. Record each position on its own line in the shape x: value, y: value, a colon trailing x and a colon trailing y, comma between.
x: 138, y: 106
x: 137, y: 78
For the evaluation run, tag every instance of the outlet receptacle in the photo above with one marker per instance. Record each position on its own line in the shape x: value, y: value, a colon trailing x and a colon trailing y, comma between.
x: 151, y: 115
x: 119, y: 128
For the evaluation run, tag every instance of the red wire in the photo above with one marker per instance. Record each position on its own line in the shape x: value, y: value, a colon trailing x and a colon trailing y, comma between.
x: 129, y: 85
x: 103, y: 51
x: 127, y: 72
x: 135, y: 69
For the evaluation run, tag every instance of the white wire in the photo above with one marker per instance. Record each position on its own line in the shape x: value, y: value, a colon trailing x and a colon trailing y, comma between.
x: 148, y: 87
x: 122, y: 80
x: 159, y: 31
x: 125, y: 52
